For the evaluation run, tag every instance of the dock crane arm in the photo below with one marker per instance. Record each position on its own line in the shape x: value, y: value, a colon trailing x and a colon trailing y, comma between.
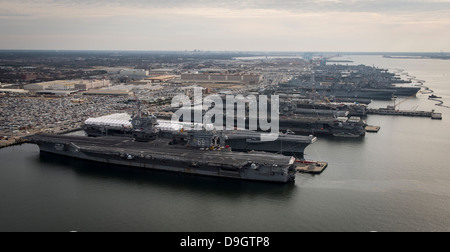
x: 401, y: 102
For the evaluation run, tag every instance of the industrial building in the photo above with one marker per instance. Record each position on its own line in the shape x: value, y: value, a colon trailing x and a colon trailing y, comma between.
x: 56, y: 92
x: 58, y: 85
x: 10, y: 86
x: 127, y: 72
x: 162, y: 78
x: 87, y: 85
x: 155, y: 79
x: 249, y: 79
x: 52, y: 85
x: 13, y: 91
x: 163, y: 71
x: 134, y: 72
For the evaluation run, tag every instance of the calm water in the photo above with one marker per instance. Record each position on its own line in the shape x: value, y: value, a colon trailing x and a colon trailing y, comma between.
x: 396, y: 180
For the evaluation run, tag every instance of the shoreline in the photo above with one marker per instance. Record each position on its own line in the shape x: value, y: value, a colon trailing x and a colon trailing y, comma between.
x: 416, y: 57
x: 11, y: 143
x: 21, y: 140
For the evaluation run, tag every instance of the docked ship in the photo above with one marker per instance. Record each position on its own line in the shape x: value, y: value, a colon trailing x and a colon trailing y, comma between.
x: 308, y: 125
x: 121, y: 125
x: 307, y: 107
x: 352, y: 127
x: 287, y: 144
x: 334, y: 121
x: 404, y: 91
x: 340, y: 90
x: 201, y: 154
x: 350, y: 82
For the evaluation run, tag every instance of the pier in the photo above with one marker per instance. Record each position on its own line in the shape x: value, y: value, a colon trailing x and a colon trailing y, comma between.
x: 19, y: 140
x: 392, y: 112
x: 373, y: 129
x: 12, y: 142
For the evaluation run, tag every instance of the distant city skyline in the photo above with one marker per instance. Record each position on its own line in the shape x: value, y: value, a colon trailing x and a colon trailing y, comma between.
x: 232, y: 25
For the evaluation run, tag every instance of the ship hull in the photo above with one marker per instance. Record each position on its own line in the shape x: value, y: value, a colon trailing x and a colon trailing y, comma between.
x: 285, y: 148
x: 406, y: 91
x: 344, y: 92
x: 318, y: 126
x: 377, y: 93
x: 361, y: 94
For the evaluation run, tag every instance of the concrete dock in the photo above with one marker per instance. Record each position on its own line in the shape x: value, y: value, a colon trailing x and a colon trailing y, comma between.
x: 311, y: 167
x: 11, y: 142
x: 393, y: 112
x: 373, y: 129
x: 18, y: 140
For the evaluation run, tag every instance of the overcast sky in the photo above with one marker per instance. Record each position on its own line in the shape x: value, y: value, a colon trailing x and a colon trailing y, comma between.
x: 232, y: 25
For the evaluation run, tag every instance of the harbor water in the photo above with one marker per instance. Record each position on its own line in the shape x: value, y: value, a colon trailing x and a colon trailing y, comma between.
x: 396, y: 180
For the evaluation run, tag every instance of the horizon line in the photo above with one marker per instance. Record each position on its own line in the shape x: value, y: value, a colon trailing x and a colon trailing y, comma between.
x: 213, y: 51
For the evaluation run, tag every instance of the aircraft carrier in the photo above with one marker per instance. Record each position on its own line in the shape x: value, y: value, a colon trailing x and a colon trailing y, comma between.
x: 351, y: 91
x: 201, y: 153
x: 120, y: 125
x: 244, y: 141
x: 311, y: 106
x: 309, y: 124
x: 350, y: 82
x: 345, y: 127
x: 339, y: 90
x: 199, y: 157
x: 322, y: 121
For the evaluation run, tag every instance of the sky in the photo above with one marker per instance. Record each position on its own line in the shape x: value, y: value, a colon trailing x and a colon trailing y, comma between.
x: 231, y: 25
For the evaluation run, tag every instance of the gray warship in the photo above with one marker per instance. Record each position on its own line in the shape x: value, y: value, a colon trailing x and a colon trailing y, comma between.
x: 200, y: 154
x: 287, y: 144
x: 350, y: 82
x: 124, y: 125
x: 306, y: 125
x: 321, y: 122
x: 339, y: 90
x: 321, y: 107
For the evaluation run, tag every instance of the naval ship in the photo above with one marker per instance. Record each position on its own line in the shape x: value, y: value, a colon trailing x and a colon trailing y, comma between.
x: 351, y: 82
x: 123, y: 125
x: 201, y: 154
x: 318, y: 107
x: 352, y: 127
x: 287, y: 144
x: 333, y: 122
x: 339, y: 90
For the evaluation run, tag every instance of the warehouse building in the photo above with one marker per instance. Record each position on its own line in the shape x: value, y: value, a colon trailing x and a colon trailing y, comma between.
x: 134, y: 72
x: 161, y: 78
x: 82, y: 85
x: 13, y: 91
x: 249, y: 79
x: 56, y: 92
x: 52, y: 85
x: 87, y: 85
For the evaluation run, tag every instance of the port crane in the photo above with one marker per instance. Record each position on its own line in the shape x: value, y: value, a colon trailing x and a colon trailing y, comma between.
x: 396, y: 105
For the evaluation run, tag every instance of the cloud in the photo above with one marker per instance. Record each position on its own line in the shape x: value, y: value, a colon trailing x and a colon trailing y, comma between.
x: 118, y: 7
x: 290, y: 25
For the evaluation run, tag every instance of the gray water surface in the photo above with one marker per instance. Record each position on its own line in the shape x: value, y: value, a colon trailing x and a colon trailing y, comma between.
x: 396, y: 180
